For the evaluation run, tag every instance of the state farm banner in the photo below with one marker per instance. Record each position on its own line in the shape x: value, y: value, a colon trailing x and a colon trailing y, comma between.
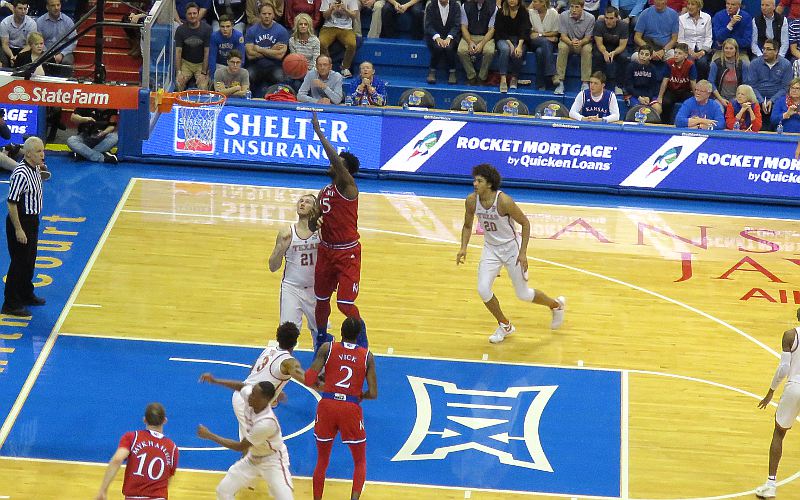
x: 631, y: 156
x: 67, y: 94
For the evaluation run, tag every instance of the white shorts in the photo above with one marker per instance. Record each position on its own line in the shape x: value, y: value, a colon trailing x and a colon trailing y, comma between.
x: 274, y: 469
x: 297, y: 302
x: 494, y: 257
x: 789, y: 406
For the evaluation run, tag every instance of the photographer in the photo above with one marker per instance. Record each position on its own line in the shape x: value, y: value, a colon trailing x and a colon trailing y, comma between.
x: 96, y: 135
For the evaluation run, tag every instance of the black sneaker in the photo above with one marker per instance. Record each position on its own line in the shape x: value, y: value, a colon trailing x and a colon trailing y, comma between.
x: 36, y: 301
x: 15, y: 311
x: 110, y: 158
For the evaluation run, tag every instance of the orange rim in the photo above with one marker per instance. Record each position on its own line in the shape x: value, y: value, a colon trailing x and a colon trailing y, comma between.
x: 198, y: 98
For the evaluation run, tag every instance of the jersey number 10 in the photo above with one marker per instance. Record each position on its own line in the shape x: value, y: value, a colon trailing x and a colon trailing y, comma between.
x: 155, y: 462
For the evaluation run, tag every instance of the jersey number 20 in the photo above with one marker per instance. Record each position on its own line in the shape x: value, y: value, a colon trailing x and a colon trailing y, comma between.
x: 489, y: 226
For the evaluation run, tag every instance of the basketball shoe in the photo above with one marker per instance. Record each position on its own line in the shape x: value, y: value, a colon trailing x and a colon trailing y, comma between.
x: 767, y: 490
x: 501, y: 333
x: 558, y: 313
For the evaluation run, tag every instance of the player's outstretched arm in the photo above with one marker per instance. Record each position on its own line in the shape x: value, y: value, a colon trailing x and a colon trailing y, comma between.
x: 240, y: 446
x: 292, y: 368
x: 311, y: 378
x: 466, y: 229
x: 233, y: 385
x: 111, y: 471
x: 342, y: 176
x: 372, y: 379
x: 507, y: 206
x: 281, y: 245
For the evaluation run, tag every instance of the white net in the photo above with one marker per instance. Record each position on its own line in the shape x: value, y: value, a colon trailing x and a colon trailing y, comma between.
x: 197, y: 114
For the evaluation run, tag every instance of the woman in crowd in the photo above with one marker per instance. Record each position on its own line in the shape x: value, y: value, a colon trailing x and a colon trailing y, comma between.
x: 303, y: 41
x: 512, y: 29
x: 744, y: 110
x: 694, y: 29
x: 36, y: 44
x: 785, y: 110
x: 727, y: 72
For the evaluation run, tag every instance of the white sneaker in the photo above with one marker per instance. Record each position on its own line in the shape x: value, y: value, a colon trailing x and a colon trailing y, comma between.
x: 767, y: 490
x: 501, y: 333
x: 346, y: 73
x: 558, y: 313
x: 618, y: 91
x: 559, y: 89
x: 584, y: 86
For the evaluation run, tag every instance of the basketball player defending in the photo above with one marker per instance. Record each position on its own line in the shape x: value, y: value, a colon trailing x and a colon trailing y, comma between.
x: 298, y: 245
x: 264, y: 452
x: 788, y: 407
x: 339, y: 254
x: 346, y: 365
x: 275, y: 365
x: 497, y: 213
x: 152, y: 459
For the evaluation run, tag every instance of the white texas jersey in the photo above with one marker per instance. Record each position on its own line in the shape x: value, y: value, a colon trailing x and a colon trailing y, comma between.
x: 301, y: 256
x: 497, y: 229
x: 267, y: 368
x: 262, y: 430
x: 794, y: 364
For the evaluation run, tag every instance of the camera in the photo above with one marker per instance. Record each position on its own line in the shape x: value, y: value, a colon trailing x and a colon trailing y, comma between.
x: 12, y: 150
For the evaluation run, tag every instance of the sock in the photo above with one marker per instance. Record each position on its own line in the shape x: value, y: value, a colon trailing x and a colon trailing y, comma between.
x: 323, y: 458
x: 771, y: 479
x: 359, y: 452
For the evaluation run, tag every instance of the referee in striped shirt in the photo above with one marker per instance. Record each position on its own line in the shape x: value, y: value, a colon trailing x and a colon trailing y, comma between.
x: 22, y: 228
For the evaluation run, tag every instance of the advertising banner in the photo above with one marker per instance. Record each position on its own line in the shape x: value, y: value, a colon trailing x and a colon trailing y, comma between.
x: 631, y: 157
x: 268, y: 135
x: 67, y: 94
x: 21, y: 120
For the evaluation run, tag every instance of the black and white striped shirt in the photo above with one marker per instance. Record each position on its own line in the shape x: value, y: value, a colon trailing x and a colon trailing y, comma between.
x: 26, y: 189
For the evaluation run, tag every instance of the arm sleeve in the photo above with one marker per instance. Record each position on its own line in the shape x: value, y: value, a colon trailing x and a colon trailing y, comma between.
x: 782, y: 371
x: 730, y: 116
x: 577, y: 105
x: 613, y: 108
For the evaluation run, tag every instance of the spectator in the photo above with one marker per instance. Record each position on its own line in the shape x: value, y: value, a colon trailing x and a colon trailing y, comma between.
x: 371, y: 91
x: 233, y: 11
x: 96, y: 134
x: 733, y: 22
x: 232, y: 80
x: 192, y: 40
x: 442, y: 25
x: 310, y: 7
x: 728, y: 72
x: 793, y: 20
x: 575, y: 27
x: 252, y: 11
x: 338, y: 25
x: 392, y: 9
x: 321, y: 85
x: 769, y: 24
x: 512, y: 30
x: 629, y: 9
x: 679, y: 6
x: 181, y: 5
x: 786, y: 107
x: 642, y: 81
x: 266, y: 44
x: 657, y: 26
x: 222, y: 43
x: 694, y: 29
x: 303, y: 41
x: 699, y: 111
x: 769, y: 75
x: 53, y: 26
x: 375, y: 25
x: 679, y: 81
x: 36, y: 49
x: 477, y: 38
x: 744, y: 110
x: 610, y: 41
x: 14, y: 31
x: 544, y: 40
x: 594, y: 7
x: 595, y: 104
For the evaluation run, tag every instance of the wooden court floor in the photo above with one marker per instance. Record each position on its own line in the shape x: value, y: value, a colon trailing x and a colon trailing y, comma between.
x: 691, y: 306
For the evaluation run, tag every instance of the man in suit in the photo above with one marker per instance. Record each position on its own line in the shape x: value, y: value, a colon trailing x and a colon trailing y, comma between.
x: 442, y: 27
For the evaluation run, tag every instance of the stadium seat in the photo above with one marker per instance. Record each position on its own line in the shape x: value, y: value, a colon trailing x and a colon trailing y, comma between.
x: 651, y: 114
x: 462, y: 101
x: 418, y: 97
x: 504, y: 106
x: 552, y: 109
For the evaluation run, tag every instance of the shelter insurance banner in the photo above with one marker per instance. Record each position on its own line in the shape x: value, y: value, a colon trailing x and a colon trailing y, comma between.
x: 565, y: 153
x: 270, y: 135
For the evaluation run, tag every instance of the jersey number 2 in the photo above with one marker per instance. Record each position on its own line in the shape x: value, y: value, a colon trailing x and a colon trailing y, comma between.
x: 151, y: 467
x: 345, y: 382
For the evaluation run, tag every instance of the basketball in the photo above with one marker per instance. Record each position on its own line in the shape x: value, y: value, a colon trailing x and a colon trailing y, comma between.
x: 295, y: 66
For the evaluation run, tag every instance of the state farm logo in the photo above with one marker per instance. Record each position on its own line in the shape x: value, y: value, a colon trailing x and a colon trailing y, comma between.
x: 18, y: 94
x: 58, y: 96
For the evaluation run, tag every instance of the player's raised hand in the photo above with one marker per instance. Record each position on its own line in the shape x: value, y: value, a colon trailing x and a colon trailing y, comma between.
x: 207, y: 377
x: 203, y: 432
x: 314, y: 119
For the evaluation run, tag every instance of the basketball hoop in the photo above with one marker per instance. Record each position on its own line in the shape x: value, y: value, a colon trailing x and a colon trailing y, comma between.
x: 196, y: 115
